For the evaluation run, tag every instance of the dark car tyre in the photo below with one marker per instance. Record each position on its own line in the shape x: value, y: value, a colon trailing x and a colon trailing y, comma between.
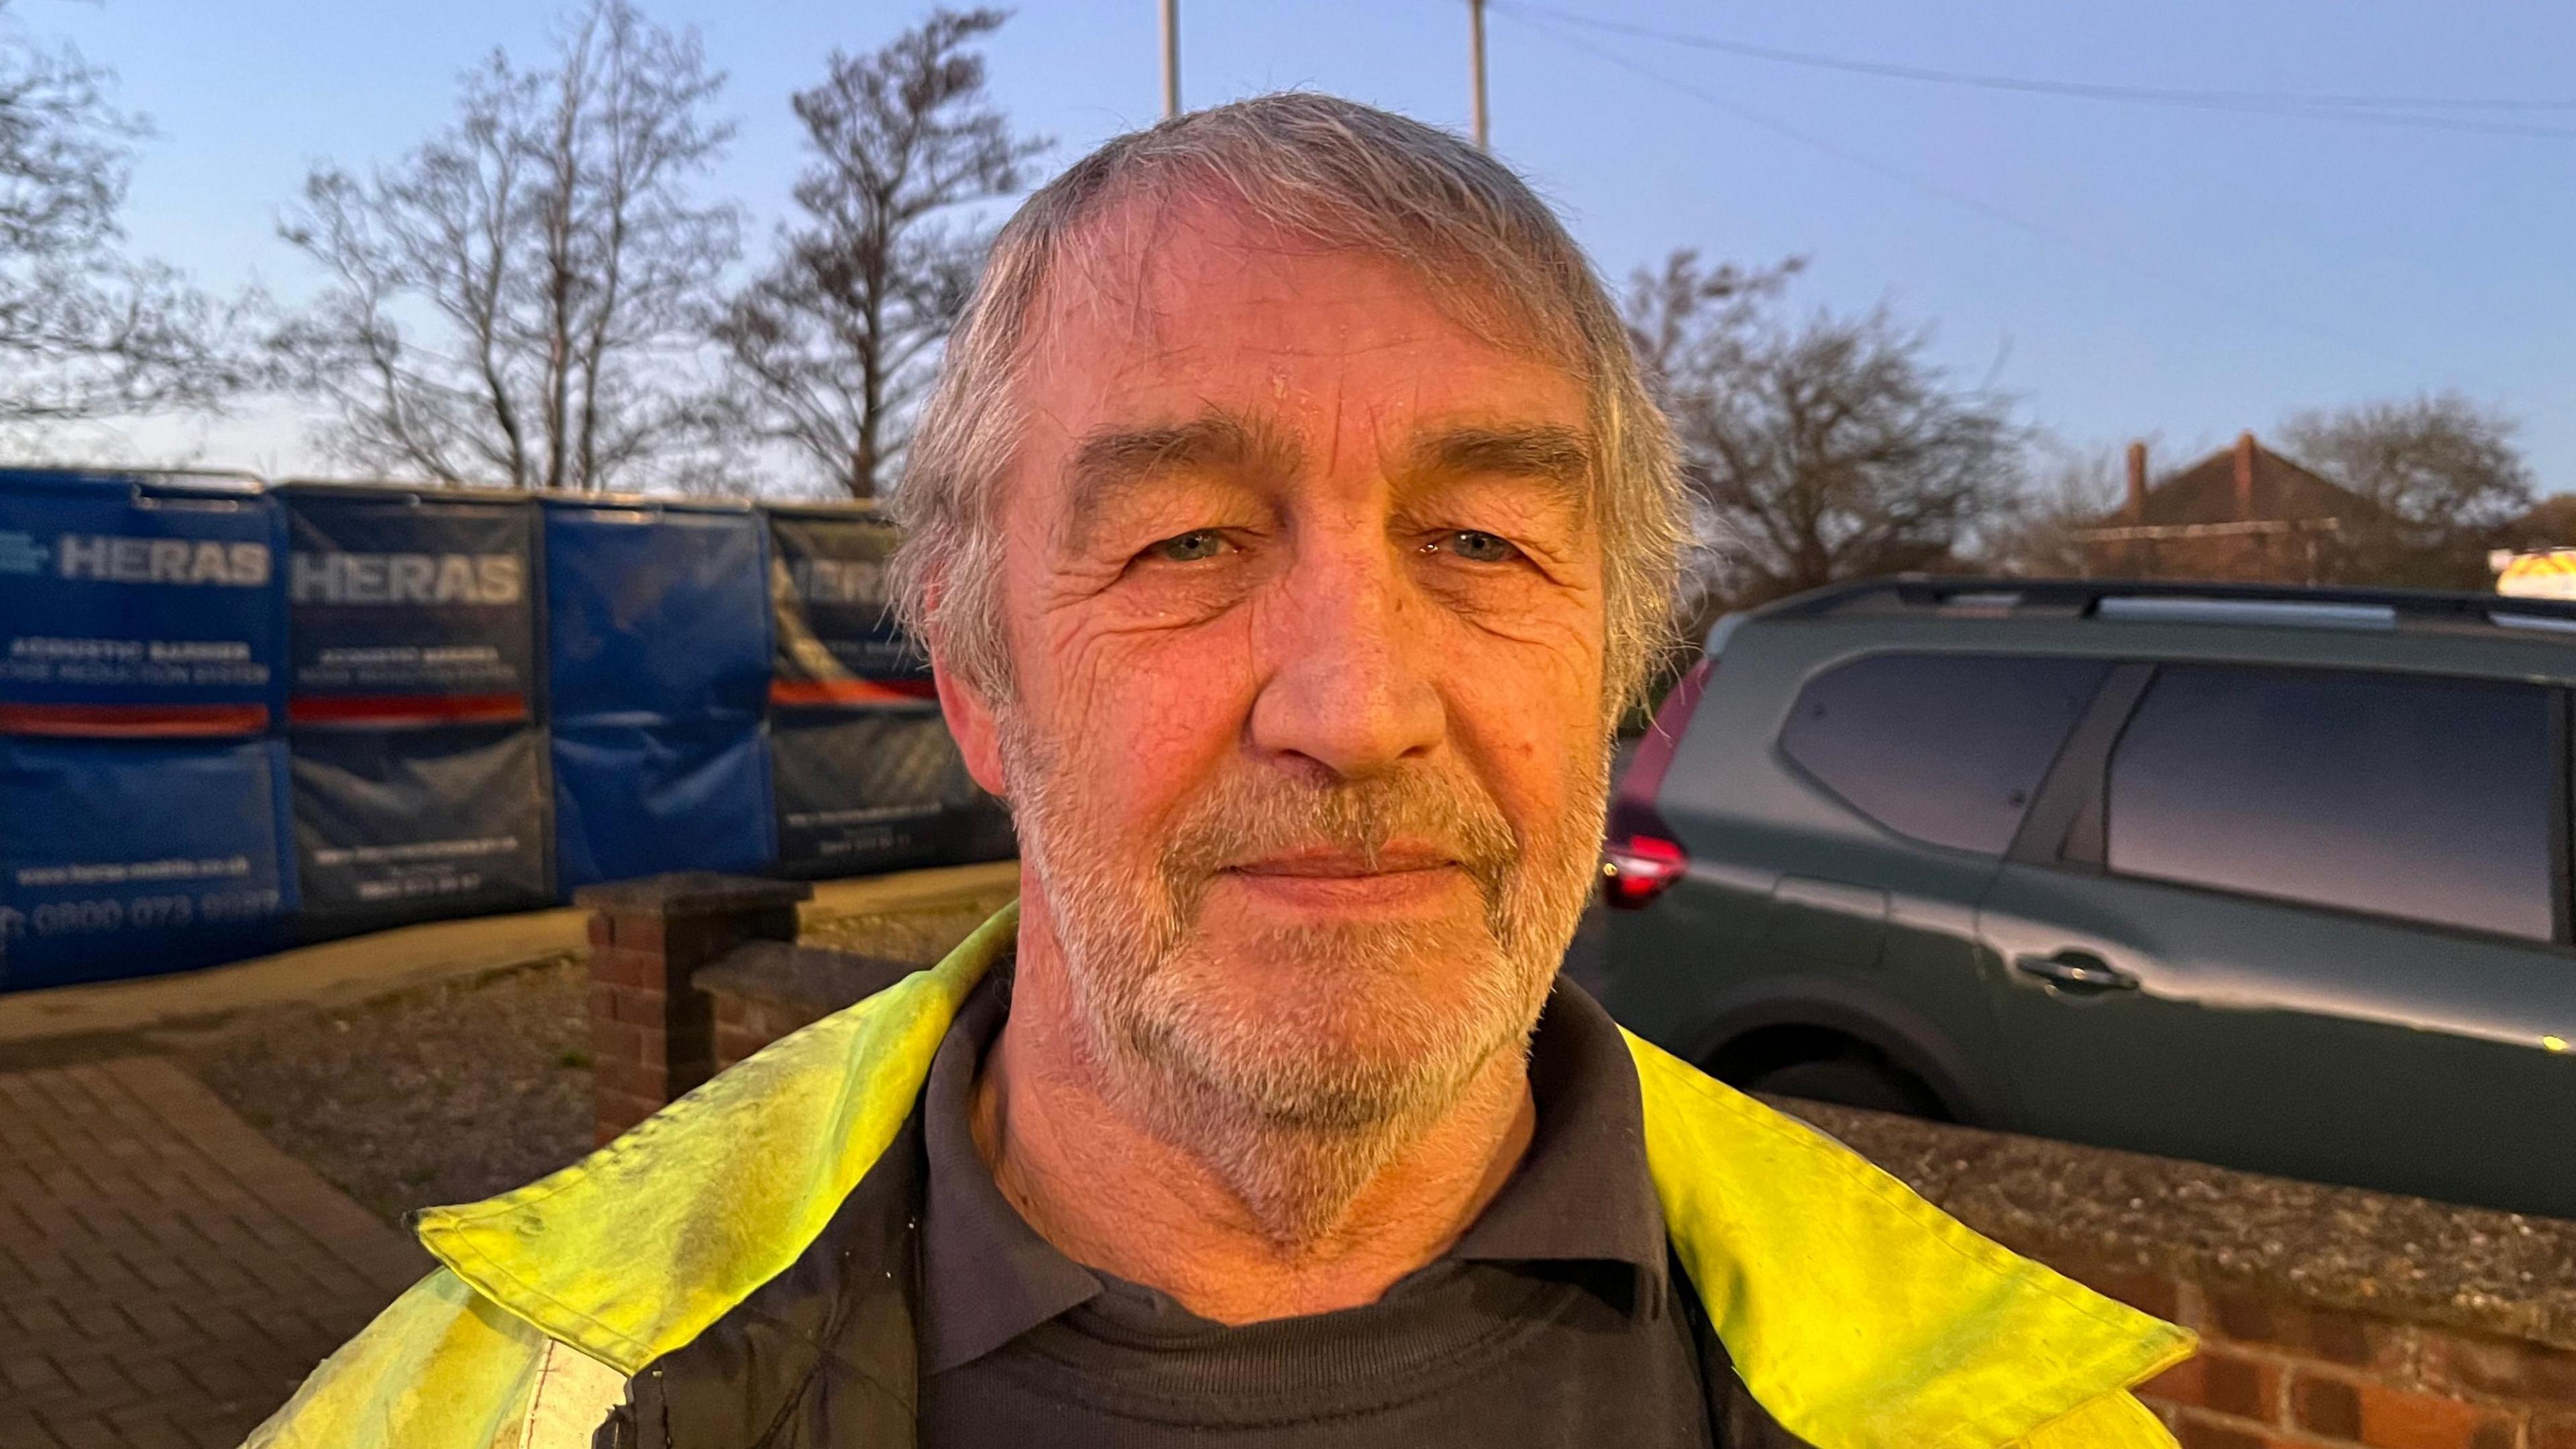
x: 1850, y: 1082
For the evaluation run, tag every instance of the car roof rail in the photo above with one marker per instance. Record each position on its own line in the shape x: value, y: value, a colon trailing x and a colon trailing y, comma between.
x: 2175, y: 601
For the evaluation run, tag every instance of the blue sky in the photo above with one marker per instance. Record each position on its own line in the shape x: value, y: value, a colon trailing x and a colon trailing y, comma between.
x: 2124, y: 270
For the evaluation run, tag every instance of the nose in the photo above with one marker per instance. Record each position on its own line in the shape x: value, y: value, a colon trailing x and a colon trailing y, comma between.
x: 1349, y: 690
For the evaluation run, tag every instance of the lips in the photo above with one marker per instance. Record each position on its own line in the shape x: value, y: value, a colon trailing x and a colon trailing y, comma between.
x: 1396, y: 859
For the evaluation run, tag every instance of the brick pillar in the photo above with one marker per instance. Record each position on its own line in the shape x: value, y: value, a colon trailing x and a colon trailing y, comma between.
x: 652, y: 1032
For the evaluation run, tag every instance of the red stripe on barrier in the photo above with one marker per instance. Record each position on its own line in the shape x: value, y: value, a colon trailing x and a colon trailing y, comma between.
x: 391, y: 708
x: 849, y: 691
x: 97, y: 721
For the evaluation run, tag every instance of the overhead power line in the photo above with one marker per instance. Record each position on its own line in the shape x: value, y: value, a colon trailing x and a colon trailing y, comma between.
x: 1528, y: 16
x: 2381, y: 110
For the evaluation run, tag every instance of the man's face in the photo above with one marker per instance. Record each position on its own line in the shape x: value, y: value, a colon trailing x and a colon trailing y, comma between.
x: 1307, y: 743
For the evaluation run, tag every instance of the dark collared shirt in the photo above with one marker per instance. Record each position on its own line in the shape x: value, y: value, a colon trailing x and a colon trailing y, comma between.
x: 1553, y: 1321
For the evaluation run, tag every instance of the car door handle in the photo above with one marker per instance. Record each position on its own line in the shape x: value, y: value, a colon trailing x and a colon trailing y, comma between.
x: 2077, y: 971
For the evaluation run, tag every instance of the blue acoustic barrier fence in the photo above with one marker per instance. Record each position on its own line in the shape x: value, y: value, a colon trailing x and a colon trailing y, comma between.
x: 409, y: 606
x: 129, y: 857
x: 838, y: 642
x: 420, y: 777
x: 404, y: 824
x: 862, y: 790
x: 633, y: 800
x: 142, y: 790
x: 655, y: 611
x: 232, y: 717
x: 867, y: 776
x: 657, y: 665
x: 138, y: 605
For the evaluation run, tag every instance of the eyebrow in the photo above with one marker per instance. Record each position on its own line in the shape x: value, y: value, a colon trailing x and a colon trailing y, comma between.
x: 1559, y: 457
x: 1112, y: 461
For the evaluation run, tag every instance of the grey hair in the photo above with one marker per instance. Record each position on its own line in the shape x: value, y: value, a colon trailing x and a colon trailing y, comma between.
x: 1337, y: 174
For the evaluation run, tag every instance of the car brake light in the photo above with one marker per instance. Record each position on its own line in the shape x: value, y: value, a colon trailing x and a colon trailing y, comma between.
x: 1641, y: 858
x: 1637, y: 870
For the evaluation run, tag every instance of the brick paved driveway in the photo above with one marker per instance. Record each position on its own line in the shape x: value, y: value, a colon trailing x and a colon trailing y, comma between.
x: 166, y: 1275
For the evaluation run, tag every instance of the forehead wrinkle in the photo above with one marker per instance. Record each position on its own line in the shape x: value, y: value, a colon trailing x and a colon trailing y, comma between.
x: 1114, y: 460
x: 1559, y: 458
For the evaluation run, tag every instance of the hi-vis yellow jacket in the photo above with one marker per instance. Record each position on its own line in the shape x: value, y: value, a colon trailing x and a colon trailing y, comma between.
x: 1858, y: 1315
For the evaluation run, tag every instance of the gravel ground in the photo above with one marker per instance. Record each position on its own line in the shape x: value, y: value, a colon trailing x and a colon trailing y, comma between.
x: 471, y: 1088
x: 437, y: 1096
x: 2493, y: 1272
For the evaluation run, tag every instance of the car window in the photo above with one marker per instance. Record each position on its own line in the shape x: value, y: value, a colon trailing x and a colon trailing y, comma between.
x: 2425, y: 798
x: 1947, y: 748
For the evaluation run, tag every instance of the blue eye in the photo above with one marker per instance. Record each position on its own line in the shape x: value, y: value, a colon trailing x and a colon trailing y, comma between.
x: 1190, y: 547
x: 1479, y: 547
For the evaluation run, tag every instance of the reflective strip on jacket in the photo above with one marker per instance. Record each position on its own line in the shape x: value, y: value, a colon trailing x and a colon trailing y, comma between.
x: 1858, y: 1315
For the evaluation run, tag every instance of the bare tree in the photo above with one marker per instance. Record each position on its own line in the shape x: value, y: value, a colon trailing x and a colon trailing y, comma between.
x: 1824, y: 450
x: 2041, y: 530
x: 833, y: 344
x: 2446, y: 476
x: 517, y: 302
x: 2550, y: 523
x: 86, y: 332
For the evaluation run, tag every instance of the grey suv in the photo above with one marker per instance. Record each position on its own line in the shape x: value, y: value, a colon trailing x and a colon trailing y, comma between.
x: 2272, y: 878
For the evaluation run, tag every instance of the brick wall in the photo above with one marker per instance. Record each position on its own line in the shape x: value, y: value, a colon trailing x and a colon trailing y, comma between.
x: 745, y: 1023
x: 652, y: 1031
x: 765, y: 989
x: 2273, y: 1373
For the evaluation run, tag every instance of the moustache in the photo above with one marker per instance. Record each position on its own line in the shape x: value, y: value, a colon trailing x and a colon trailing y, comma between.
x: 1407, y: 816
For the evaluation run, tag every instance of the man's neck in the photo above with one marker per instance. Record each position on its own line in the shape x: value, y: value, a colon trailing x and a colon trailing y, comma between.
x: 1092, y: 1178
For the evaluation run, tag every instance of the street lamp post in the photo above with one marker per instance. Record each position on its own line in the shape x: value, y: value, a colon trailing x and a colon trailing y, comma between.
x: 1476, y: 66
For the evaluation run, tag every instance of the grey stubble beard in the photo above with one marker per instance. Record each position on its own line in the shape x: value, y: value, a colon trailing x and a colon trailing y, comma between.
x: 1291, y: 1119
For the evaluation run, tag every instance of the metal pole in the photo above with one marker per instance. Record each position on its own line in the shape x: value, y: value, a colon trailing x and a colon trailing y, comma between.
x: 1476, y: 65
x: 1171, y: 58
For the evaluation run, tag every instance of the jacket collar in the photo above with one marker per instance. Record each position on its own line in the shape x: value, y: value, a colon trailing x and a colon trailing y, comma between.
x: 635, y: 1249
x: 1858, y: 1314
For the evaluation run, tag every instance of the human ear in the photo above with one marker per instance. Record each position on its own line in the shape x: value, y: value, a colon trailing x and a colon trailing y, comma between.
x: 970, y: 717
x: 970, y: 721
